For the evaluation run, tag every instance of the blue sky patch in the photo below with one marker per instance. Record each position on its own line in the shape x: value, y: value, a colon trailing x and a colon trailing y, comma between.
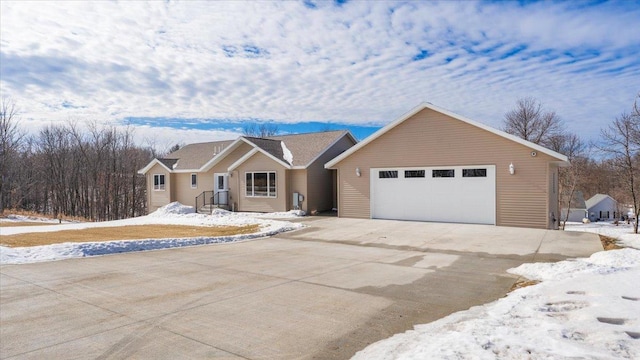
x: 422, y: 54
x: 358, y: 131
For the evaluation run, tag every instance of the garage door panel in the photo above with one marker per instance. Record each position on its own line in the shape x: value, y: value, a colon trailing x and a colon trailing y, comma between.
x: 442, y: 199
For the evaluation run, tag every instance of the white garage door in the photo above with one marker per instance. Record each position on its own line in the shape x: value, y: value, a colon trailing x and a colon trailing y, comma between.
x: 461, y: 194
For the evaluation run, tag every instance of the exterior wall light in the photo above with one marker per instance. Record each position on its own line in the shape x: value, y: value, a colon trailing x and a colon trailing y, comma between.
x: 512, y: 169
x: 358, y: 173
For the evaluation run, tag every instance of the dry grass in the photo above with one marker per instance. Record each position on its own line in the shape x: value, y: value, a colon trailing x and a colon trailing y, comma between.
x: 39, y: 215
x: 133, y: 232
x: 523, y: 283
x: 609, y: 243
x: 24, y: 223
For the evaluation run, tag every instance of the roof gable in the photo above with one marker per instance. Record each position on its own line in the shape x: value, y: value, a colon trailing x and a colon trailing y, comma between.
x: 597, y: 199
x: 168, y: 164
x: 194, y: 156
x: 304, y: 148
x: 559, y: 157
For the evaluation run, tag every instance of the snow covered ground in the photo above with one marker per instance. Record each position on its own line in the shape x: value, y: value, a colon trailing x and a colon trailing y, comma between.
x: 23, y: 218
x: 587, y: 308
x: 172, y: 214
x: 623, y: 231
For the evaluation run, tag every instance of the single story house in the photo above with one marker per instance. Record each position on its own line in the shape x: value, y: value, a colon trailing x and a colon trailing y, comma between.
x: 250, y: 174
x: 434, y: 165
x: 601, y: 207
x: 578, y: 209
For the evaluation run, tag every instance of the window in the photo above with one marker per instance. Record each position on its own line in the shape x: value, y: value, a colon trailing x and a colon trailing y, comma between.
x: 443, y: 173
x: 414, y: 173
x: 194, y: 181
x: 388, y: 174
x: 474, y: 172
x: 261, y: 184
x: 158, y: 182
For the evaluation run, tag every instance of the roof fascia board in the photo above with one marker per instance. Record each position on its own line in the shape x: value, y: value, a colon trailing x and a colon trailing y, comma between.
x: 562, y: 159
x: 281, y: 162
x: 346, y: 133
x: 254, y: 151
x: 603, y: 199
x: 244, y: 158
x: 153, y: 162
x: 221, y: 155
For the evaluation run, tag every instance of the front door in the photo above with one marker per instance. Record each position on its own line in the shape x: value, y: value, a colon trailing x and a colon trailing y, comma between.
x: 221, y: 188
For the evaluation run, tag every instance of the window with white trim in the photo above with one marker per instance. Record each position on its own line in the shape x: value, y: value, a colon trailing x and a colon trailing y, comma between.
x: 194, y: 181
x: 158, y: 182
x: 261, y: 184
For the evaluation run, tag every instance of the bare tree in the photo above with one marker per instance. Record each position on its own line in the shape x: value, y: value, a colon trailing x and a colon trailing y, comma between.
x: 569, y: 177
x: 261, y: 131
x: 621, y: 141
x: 528, y: 121
x: 174, y: 148
x: 10, y: 141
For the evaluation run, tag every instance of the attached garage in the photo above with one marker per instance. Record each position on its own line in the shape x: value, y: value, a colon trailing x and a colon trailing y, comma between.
x: 440, y: 194
x: 434, y: 165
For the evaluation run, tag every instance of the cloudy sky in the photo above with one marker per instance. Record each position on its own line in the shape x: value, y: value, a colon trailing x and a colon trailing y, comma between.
x: 187, y: 71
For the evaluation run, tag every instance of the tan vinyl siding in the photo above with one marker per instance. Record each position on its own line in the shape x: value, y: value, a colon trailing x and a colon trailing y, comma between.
x: 185, y: 194
x: 259, y: 163
x: 430, y: 138
x: 223, y: 165
x: 554, y: 205
x: 320, y: 180
x: 298, y: 183
x: 158, y: 198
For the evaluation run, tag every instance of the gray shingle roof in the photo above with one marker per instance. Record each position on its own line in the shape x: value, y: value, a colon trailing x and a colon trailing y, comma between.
x: 272, y: 147
x: 168, y: 162
x: 303, y: 147
x: 307, y: 147
x: 193, y: 156
x: 578, y: 201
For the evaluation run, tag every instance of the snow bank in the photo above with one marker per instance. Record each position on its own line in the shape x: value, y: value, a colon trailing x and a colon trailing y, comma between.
x: 23, y: 218
x: 291, y: 214
x: 623, y: 232
x: 173, y: 209
x: 586, y: 314
x: 172, y: 214
x: 603, y: 262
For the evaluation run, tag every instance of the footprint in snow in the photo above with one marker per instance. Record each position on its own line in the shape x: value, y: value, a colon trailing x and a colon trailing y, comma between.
x: 576, y: 292
x: 633, y: 334
x: 612, y: 321
x: 563, y: 306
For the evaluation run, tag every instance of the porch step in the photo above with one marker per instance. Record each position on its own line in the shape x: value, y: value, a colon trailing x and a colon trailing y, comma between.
x: 208, y: 209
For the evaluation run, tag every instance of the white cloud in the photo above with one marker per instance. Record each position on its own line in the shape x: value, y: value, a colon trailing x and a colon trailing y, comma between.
x: 286, y: 62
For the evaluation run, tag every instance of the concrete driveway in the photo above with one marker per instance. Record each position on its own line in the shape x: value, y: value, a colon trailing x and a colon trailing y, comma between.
x: 323, y: 292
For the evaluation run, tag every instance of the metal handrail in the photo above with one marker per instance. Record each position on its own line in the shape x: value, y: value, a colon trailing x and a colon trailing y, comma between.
x: 211, y: 198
